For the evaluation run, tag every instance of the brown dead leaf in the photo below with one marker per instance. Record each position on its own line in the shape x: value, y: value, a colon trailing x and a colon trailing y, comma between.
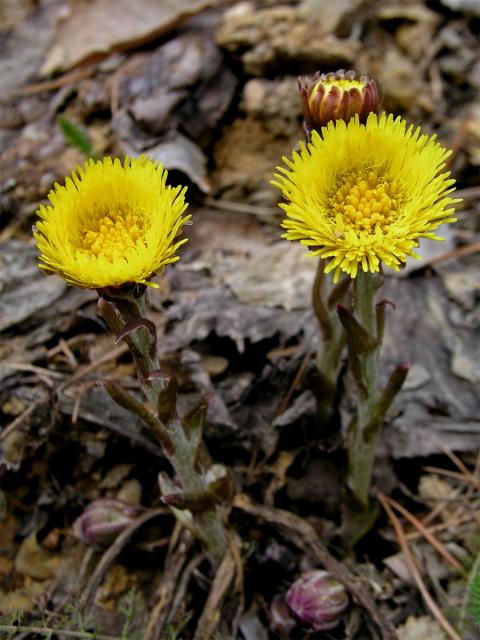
x: 34, y: 561
x: 6, y: 566
x: 250, y: 168
x: 22, y: 599
x: 279, y: 276
x: 180, y: 153
x: 117, y: 582
x: 93, y: 30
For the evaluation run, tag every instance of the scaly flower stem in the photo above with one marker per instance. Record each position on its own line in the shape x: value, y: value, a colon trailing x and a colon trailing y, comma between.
x: 330, y: 347
x: 366, y: 428
x: 329, y: 352
x: 124, y: 311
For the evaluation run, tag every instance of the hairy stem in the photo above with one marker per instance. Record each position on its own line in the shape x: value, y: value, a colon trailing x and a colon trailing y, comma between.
x: 180, y: 449
x: 330, y: 347
x: 366, y: 428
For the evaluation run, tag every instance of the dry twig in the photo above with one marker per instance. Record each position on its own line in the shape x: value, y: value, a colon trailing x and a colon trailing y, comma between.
x: 221, y: 583
x: 165, y: 591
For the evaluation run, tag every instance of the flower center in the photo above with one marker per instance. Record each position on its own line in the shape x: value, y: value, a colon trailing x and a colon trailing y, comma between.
x: 342, y: 83
x: 366, y: 201
x: 113, y: 235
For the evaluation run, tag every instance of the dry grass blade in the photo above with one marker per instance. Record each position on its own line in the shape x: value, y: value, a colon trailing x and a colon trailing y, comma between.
x: 165, y: 591
x: 427, y: 535
x: 78, y: 375
x: 446, y: 472
x: 469, y: 476
x: 456, y: 521
x: 414, y: 571
x: 221, y: 583
x: 240, y: 207
x: 108, y: 356
x: 19, y: 420
x: 182, y: 585
x: 239, y: 584
x: 285, y: 403
x: 43, y: 373
x: 51, y: 85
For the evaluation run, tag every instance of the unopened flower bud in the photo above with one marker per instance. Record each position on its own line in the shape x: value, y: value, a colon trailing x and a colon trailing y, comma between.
x: 336, y: 96
x: 104, y: 519
x: 317, y: 600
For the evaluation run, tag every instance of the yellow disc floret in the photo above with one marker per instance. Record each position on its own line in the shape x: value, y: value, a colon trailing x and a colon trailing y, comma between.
x: 366, y: 201
x: 361, y: 194
x: 113, y: 235
x: 111, y: 224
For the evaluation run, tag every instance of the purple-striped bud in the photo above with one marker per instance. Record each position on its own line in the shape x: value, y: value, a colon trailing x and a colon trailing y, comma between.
x: 328, y: 97
x: 104, y: 519
x: 317, y: 600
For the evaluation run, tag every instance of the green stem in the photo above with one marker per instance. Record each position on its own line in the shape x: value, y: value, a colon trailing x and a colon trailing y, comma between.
x: 329, y: 352
x: 364, y: 330
x: 366, y: 427
x: 330, y: 347
x: 207, y: 524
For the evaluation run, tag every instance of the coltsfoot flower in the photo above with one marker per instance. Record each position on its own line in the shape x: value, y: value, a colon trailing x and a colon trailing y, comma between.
x: 334, y: 96
x: 362, y: 194
x: 111, y: 224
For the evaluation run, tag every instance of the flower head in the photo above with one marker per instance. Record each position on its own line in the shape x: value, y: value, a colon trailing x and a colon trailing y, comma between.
x: 362, y: 194
x: 334, y: 96
x: 111, y: 223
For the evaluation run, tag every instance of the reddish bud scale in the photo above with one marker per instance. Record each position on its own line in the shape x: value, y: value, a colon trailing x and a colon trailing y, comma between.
x: 328, y: 97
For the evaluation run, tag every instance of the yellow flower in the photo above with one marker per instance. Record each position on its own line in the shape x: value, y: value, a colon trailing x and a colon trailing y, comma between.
x: 111, y: 223
x: 361, y: 194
